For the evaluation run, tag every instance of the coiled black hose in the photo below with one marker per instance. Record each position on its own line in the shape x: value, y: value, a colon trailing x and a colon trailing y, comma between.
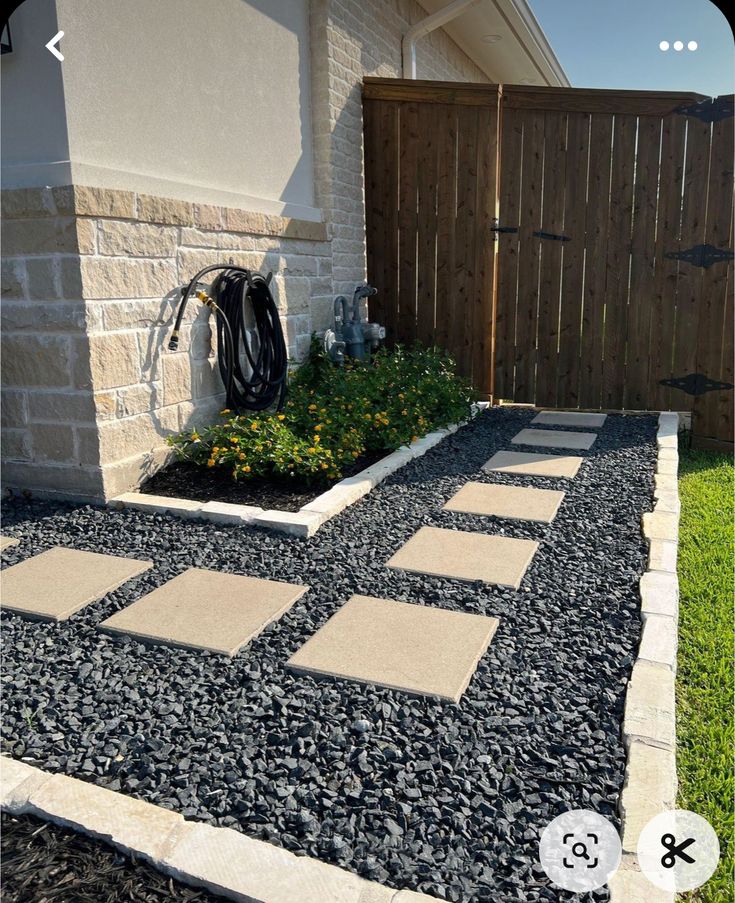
x: 232, y: 290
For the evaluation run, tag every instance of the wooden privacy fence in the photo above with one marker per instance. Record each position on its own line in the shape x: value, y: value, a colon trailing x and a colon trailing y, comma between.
x: 570, y: 247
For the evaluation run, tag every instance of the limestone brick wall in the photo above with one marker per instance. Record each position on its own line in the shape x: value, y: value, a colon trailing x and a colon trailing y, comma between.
x: 350, y: 40
x: 90, y: 293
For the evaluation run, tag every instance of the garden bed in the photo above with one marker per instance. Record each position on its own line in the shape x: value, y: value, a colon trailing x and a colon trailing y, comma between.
x: 410, y: 792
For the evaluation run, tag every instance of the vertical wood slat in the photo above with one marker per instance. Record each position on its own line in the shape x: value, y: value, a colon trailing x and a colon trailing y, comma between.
x: 507, y: 249
x: 427, y: 223
x: 555, y: 138
x: 446, y: 220
x: 529, y: 256
x: 618, y: 260
x: 463, y: 294
x: 570, y: 337
x: 598, y: 220
x: 637, y: 358
x: 712, y: 415
x: 407, y: 222
x: 666, y: 274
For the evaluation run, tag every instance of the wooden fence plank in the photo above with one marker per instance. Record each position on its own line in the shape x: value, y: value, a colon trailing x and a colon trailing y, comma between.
x: 666, y: 274
x: 529, y: 256
x: 446, y: 220
x: 570, y: 326
x: 597, y: 100
x: 618, y: 261
x: 640, y: 304
x: 507, y: 249
x: 555, y: 149
x: 407, y: 222
x: 427, y: 223
x: 598, y: 224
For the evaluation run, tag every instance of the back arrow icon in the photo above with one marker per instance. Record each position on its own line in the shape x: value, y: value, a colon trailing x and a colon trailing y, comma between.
x: 55, y: 50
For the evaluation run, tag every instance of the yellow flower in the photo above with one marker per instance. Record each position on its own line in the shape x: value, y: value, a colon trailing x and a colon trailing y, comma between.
x: 414, y: 438
x: 195, y: 436
x: 254, y: 426
x: 246, y: 469
x: 281, y: 416
x: 215, y: 449
x: 368, y: 416
x: 310, y: 450
x: 226, y: 411
x: 234, y: 440
x: 241, y: 456
x: 312, y: 407
x: 317, y: 440
x: 210, y: 463
x: 318, y: 427
x: 355, y: 455
x: 324, y: 466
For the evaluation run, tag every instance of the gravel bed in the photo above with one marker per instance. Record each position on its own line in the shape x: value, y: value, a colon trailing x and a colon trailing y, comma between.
x: 410, y: 792
x: 43, y: 863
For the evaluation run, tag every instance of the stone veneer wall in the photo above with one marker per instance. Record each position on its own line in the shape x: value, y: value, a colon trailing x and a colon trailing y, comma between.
x: 90, y: 390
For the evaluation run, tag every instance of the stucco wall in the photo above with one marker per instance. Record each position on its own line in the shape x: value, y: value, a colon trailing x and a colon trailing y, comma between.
x: 90, y: 272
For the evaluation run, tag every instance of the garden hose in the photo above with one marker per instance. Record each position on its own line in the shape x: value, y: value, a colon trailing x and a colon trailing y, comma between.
x: 232, y: 289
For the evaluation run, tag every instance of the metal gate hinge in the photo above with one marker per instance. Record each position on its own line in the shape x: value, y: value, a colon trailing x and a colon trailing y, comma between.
x: 695, y: 384
x: 496, y: 228
x: 710, y: 109
x: 702, y: 255
x: 551, y: 236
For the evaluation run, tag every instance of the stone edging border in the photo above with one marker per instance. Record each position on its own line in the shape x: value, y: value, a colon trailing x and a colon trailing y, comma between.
x: 649, y: 722
x: 310, y: 517
x: 222, y: 860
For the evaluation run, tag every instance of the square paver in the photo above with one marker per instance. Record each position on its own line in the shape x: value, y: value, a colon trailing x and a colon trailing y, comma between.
x: 7, y: 541
x: 58, y: 583
x: 203, y: 609
x: 531, y: 464
x: 554, y: 439
x: 429, y: 651
x: 466, y: 556
x: 515, y: 502
x: 569, y: 418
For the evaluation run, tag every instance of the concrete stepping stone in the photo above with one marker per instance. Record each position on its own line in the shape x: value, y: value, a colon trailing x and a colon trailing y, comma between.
x: 466, y: 556
x: 569, y: 418
x: 514, y: 502
x: 554, y: 439
x: 7, y: 542
x: 203, y: 609
x: 56, y: 584
x: 422, y: 650
x: 534, y: 465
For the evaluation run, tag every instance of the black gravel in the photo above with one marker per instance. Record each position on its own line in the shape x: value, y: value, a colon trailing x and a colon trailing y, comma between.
x: 410, y: 792
x: 43, y: 863
x: 183, y: 479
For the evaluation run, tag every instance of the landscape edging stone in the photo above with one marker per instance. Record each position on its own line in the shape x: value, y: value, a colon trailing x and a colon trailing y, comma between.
x: 649, y: 724
x: 310, y: 517
x: 194, y: 853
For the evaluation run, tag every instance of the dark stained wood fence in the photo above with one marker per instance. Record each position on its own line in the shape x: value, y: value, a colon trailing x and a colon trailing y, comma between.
x: 430, y: 190
x: 587, y: 292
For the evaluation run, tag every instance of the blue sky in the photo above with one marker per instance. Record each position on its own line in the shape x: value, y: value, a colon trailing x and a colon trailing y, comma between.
x: 615, y: 43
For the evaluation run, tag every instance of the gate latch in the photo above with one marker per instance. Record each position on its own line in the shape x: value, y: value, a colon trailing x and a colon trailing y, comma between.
x: 496, y: 228
x: 702, y: 255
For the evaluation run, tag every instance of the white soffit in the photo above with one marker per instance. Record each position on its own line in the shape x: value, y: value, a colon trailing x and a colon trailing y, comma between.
x: 523, y: 54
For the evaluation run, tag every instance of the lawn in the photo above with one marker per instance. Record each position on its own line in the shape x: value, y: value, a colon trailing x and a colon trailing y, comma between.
x: 705, y: 666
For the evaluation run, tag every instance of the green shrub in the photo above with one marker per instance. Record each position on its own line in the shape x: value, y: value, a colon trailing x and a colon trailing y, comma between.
x: 335, y: 414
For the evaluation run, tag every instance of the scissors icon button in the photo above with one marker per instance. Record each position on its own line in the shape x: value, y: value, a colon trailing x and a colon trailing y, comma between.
x: 676, y: 851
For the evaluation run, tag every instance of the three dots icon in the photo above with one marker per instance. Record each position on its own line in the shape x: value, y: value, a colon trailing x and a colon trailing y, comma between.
x: 678, y: 45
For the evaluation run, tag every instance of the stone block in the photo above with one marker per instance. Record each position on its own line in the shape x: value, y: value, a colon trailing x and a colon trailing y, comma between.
x: 41, y: 279
x: 208, y: 216
x: 224, y: 860
x: 170, y: 211
x: 12, y: 277
x: 125, y: 278
x: 157, y: 504
x: 662, y: 556
x: 59, y: 481
x: 128, y: 824
x: 226, y: 513
x: 19, y: 202
x: 87, y: 445
x: 667, y: 465
x: 41, y: 361
x: 662, y: 525
x: 14, y: 408
x: 17, y: 781
x: 668, y: 424
x: 138, y: 435
x: 668, y: 454
x: 665, y: 482
x: 659, y: 640
x: 499, y: 500
x: 43, y: 317
x: 339, y: 497
x: 570, y: 418
x: 52, y: 442
x: 534, y: 465
x: 84, y: 200
x: 65, y: 235
x: 629, y: 885
x: 554, y: 439
x: 667, y: 501
x: 124, y: 239
x: 141, y: 314
x: 298, y: 523
x: 61, y: 407
x: 70, y: 278
x: 650, y: 788
x: 16, y: 444
x: 115, y: 359
x: 650, y: 709
x: 659, y: 594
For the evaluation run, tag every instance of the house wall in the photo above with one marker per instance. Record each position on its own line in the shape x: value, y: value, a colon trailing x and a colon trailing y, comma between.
x: 91, y: 272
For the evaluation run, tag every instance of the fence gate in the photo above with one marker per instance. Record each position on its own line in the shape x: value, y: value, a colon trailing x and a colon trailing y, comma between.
x: 586, y: 262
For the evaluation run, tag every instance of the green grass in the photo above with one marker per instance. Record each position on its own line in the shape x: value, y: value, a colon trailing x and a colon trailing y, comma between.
x: 705, y: 678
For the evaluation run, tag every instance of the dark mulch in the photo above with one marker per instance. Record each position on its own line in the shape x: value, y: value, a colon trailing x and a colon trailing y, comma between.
x: 202, y: 484
x: 43, y: 863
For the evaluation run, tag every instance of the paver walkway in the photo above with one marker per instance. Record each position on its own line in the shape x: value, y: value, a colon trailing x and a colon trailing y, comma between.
x: 569, y: 418
x: 466, y: 556
x: 534, y: 465
x: 402, y: 645
x: 59, y: 582
x: 203, y: 609
x: 554, y: 439
x: 513, y: 502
